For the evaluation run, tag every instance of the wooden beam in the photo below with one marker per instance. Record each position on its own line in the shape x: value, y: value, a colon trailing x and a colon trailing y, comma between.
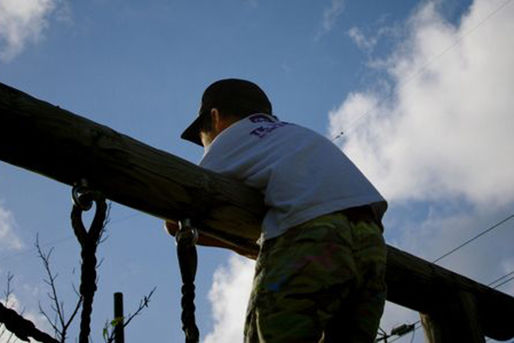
x: 48, y: 140
x: 425, y: 287
x: 455, y: 320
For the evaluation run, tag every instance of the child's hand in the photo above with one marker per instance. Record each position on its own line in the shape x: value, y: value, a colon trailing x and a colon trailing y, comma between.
x: 172, y: 227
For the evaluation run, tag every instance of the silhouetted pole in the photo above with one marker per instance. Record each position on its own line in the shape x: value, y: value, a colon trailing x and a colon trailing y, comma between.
x: 53, y: 142
x: 119, y: 334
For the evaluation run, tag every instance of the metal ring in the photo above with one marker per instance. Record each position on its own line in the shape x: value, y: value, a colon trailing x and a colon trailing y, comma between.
x: 82, y: 196
x: 187, y: 233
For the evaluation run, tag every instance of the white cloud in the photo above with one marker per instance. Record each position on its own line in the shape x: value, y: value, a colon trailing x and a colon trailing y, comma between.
x: 229, y: 296
x: 21, y: 22
x: 35, y: 317
x: 446, y: 129
x: 483, y: 260
x: 439, y: 137
x: 363, y: 42
x: 8, y: 238
x: 443, y: 137
x: 330, y: 15
x: 367, y: 43
x: 429, y: 239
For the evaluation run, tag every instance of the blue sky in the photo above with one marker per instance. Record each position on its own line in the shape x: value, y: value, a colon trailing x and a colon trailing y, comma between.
x: 422, y: 90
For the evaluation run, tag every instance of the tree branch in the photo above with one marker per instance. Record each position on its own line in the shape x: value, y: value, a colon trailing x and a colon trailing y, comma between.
x: 109, y: 336
x: 59, y: 324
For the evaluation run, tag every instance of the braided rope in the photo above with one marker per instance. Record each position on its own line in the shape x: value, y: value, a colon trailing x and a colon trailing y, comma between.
x: 188, y: 261
x: 21, y: 327
x: 88, y: 242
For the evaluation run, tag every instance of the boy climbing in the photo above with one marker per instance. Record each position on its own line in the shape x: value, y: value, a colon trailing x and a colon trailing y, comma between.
x: 320, y: 270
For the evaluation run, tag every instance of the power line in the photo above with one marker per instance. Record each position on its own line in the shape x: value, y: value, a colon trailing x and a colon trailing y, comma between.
x: 413, y: 335
x: 504, y: 282
x: 409, y: 79
x: 509, y: 275
x: 475, y: 237
x: 501, y: 278
x: 429, y: 62
x: 511, y: 278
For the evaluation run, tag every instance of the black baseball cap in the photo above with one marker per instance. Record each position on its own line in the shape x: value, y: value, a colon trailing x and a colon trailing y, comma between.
x: 238, y: 97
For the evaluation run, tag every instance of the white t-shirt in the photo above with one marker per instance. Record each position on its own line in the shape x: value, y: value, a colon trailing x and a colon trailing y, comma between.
x: 301, y: 174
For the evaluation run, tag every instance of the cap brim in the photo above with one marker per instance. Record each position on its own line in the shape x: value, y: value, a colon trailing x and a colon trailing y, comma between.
x: 192, y: 133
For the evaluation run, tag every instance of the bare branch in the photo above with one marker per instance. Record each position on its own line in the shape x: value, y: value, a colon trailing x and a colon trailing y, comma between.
x: 75, y: 290
x: 142, y: 304
x: 108, y: 332
x: 7, y: 295
x: 74, y: 313
x: 8, y: 289
x: 45, y: 258
x: 59, y: 324
x: 103, y: 233
x: 51, y: 322
x: 99, y: 264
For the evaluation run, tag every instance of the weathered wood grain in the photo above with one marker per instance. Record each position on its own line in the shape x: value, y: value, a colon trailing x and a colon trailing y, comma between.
x: 56, y: 143
x: 48, y: 140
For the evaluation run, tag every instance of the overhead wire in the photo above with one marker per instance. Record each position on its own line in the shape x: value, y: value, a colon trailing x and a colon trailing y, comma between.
x: 500, y: 278
x: 409, y: 79
x: 421, y: 69
x: 504, y: 282
x: 417, y: 324
x: 498, y: 224
x: 413, y: 335
x: 511, y: 278
x: 508, y: 276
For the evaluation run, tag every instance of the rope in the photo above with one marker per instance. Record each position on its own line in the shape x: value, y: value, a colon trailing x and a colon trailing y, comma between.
x: 21, y: 327
x: 83, y: 199
x: 186, y: 238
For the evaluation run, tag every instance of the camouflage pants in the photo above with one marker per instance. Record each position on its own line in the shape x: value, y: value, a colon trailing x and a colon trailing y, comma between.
x: 322, y: 281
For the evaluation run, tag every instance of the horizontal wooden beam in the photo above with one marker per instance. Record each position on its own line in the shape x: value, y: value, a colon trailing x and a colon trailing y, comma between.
x: 53, y: 142
x: 428, y: 288
x: 56, y: 143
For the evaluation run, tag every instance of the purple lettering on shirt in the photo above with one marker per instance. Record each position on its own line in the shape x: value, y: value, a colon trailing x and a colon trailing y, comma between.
x: 262, y: 131
x: 259, y: 132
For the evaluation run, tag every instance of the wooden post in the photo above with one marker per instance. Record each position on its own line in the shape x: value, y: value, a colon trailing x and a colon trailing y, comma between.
x: 119, y: 332
x: 455, y: 319
x: 48, y: 140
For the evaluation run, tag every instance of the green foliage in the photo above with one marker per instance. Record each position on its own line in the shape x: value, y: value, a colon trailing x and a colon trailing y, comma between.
x: 108, y: 329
